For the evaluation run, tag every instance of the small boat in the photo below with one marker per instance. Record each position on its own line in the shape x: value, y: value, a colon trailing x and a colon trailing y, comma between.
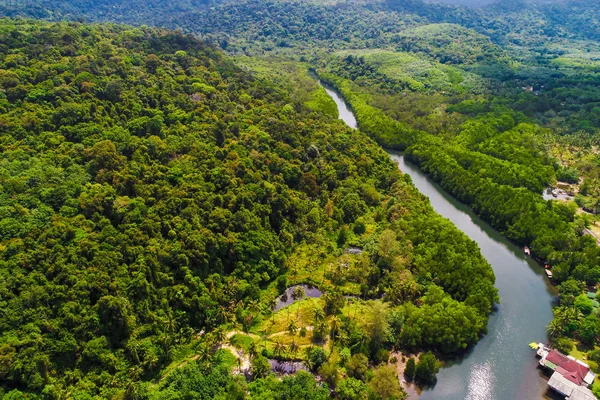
x: 527, y: 251
x: 549, y: 273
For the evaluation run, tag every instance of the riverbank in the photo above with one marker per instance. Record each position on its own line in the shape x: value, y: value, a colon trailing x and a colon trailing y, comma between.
x: 500, y: 365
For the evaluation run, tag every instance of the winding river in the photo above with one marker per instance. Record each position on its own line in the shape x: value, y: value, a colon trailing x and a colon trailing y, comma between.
x: 501, y: 366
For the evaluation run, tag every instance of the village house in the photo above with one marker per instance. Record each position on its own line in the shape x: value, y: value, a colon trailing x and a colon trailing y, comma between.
x: 570, y: 378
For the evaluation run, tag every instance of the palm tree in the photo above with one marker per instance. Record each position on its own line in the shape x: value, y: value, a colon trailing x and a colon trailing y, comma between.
x: 133, y: 348
x: 222, y: 315
x: 253, y: 350
x: 171, y: 322
x: 253, y: 306
x: 319, y: 315
x: 335, y: 328
x: 342, y: 338
x: 247, y: 323
x: 272, y: 305
x: 279, y: 347
x: 220, y: 335
x: 264, y: 336
x: 292, y: 327
x: 204, y: 354
x: 294, y: 348
x: 298, y: 293
x: 555, y: 328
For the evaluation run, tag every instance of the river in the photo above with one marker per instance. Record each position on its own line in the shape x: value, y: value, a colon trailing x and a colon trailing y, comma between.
x: 501, y: 366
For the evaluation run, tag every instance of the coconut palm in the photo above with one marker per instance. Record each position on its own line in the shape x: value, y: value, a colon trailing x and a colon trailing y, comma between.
x: 555, y: 328
x: 279, y: 347
x: 272, y: 305
x: 204, y: 354
x: 253, y: 306
x: 298, y: 293
x: 318, y: 315
x: 264, y: 335
x: 222, y: 315
x: 335, y: 326
x: 294, y: 348
x: 219, y: 335
x: 303, y: 331
x: 292, y: 327
x: 253, y: 350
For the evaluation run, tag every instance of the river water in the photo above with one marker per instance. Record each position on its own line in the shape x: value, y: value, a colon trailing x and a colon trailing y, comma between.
x: 501, y: 366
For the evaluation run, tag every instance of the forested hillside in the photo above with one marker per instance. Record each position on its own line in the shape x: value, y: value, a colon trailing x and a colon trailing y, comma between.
x: 548, y: 48
x: 156, y: 197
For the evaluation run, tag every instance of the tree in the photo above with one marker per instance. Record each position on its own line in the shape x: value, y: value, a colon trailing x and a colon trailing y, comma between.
x: 584, y: 304
x: 279, y: 347
x: 385, y: 383
x: 294, y: 348
x: 352, y: 389
x: 342, y: 237
x: 253, y: 350
x: 298, y: 293
x: 568, y: 288
x: 563, y: 344
x: 297, y: 387
x: 152, y: 63
x: 335, y: 328
x: 330, y: 373
x: 589, y: 329
x: 334, y: 302
x: 260, y: 366
x: 427, y: 368
x: 357, y: 366
x: 409, y: 371
x: 387, y: 244
x: 316, y: 357
x: 555, y: 328
x: 378, y: 327
x: 292, y: 327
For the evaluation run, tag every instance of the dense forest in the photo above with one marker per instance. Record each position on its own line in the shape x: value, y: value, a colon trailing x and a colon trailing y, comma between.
x: 156, y: 198
x: 158, y: 195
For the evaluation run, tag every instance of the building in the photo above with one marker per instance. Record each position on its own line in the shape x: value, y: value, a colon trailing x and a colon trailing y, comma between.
x: 563, y: 386
x: 571, y: 377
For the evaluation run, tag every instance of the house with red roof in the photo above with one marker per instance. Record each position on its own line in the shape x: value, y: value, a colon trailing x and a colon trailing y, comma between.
x: 571, y: 377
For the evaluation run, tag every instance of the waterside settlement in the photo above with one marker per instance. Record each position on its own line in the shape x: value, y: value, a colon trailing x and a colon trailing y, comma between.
x: 570, y: 377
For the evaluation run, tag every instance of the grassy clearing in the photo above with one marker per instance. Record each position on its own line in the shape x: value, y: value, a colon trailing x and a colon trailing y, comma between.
x: 293, y: 76
x: 301, y: 312
x: 419, y: 73
x: 240, y: 341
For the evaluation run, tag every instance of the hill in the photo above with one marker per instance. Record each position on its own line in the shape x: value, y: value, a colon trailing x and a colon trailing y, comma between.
x: 155, y: 195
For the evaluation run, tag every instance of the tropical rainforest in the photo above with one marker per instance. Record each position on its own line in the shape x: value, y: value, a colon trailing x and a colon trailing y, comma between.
x: 175, y: 185
x: 156, y: 198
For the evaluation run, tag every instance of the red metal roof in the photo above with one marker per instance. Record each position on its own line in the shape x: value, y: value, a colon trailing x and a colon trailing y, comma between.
x: 570, y: 369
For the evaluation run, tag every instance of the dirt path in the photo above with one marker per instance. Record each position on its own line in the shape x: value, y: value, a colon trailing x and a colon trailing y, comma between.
x: 243, y: 359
